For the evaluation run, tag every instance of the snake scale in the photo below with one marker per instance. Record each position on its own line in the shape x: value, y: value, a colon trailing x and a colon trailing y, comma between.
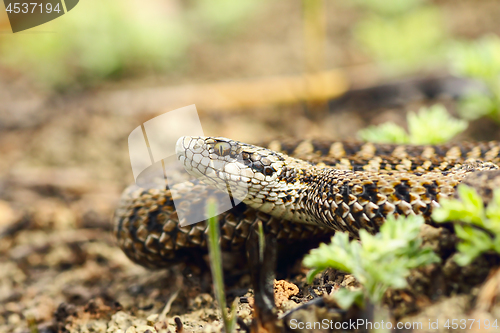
x: 300, y: 190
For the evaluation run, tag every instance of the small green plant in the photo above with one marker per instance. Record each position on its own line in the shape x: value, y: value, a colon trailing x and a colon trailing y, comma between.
x: 117, y: 41
x: 400, y: 35
x: 479, y: 231
x: 403, y: 43
x: 479, y: 60
x: 122, y: 39
x: 388, y: 7
x: 431, y: 125
x: 223, y: 18
x: 228, y: 317
x: 385, y: 133
x: 378, y: 261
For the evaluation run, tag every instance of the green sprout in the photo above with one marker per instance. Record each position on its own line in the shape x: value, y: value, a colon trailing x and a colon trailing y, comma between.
x: 388, y: 7
x: 400, y: 35
x: 405, y: 42
x: 228, y: 317
x: 223, y: 18
x: 385, y: 133
x: 378, y: 261
x: 120, y: 40
x: 117, y: 41
x: 480, y: 228
x: 424, y: 127
x: 479, y: 60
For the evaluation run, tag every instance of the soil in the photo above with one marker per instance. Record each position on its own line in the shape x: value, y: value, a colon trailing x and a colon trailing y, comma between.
x: 64, y: 162
x: 61, y: 270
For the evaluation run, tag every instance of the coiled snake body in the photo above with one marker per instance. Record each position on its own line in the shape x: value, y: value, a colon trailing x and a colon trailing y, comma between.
x: 325, y: 186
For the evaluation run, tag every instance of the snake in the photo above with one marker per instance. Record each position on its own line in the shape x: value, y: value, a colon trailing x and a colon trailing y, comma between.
x: 300, y: 190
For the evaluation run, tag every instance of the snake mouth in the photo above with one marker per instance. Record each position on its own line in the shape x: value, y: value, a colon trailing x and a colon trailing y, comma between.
x: 185, y: 144
x: 180, y: 150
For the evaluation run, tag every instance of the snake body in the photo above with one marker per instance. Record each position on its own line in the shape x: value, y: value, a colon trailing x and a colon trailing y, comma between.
x: 300, y: 190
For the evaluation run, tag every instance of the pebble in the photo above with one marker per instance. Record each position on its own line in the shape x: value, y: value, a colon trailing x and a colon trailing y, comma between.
x: 151, y: 319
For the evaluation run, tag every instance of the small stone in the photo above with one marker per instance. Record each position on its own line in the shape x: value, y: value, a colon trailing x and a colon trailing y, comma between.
x: 151, y: 319
x: 131, y: 329
x: 7, y: 214
x: 145, y: 329
x: 283, y: 290
x: 14, y: 319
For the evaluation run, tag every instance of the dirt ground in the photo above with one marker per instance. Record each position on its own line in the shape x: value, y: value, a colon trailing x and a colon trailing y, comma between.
x: 61, y: 269
x: 64, y: 162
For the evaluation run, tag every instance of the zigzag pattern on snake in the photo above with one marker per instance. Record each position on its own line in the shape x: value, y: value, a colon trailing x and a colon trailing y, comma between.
x: 325, y: 185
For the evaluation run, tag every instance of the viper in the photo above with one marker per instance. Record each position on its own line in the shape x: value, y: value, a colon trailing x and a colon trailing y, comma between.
x: 300, y: 190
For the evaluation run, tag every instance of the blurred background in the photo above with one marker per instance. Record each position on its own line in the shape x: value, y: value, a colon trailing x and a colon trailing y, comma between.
x: 72, y: 90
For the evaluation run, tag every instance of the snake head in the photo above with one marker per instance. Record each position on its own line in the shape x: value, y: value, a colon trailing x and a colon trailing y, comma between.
x: 247, y: 171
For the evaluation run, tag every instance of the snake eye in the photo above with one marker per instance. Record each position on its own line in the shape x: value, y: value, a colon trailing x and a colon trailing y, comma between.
x: 222, y: 148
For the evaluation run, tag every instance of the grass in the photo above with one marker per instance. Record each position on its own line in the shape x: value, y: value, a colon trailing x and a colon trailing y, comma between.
x: 228, y: 317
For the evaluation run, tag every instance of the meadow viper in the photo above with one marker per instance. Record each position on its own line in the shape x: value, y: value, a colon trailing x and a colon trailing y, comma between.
x: 300, y: 190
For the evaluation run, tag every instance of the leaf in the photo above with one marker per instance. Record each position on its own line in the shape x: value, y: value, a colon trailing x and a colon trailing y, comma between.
x: 426, y: 127
x: 345, y: 298
x: 463, y: 258
x: 468, y: 208
x: 493, y: 213
x: 385, y: 133
x: 378, y: 261
x: 402, y: 43
x: 340, y: 254
x: 473, y: 243
x: 479, y: 59
x: 471, y: 199
x: 385, y: 7
x: 496, y: 244
x: 476, y: 105
x: 312, y: 273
